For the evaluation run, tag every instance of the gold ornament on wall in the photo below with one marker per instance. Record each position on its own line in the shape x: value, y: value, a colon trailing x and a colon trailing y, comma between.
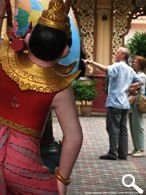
x: 123, y: 12
x: 84, y: 12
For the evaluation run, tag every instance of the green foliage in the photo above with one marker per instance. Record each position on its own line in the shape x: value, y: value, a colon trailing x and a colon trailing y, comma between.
x: 85, y: 90
x: 137, y: 44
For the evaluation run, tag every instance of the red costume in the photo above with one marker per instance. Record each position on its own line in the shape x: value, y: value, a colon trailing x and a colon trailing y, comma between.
x: 26, y: 94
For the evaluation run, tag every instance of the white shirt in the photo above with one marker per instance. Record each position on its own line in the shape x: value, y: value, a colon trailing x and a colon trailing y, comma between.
x: 142, y: 76
x: 121, y: 76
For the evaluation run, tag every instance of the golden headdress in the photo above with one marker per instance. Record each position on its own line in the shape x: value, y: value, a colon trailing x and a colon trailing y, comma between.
x: 56, y: 16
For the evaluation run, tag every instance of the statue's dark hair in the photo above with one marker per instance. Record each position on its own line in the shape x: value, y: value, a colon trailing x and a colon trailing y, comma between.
x: 47, y: 43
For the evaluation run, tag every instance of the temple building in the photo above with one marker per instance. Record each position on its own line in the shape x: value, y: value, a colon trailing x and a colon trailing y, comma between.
x: 104, y: 26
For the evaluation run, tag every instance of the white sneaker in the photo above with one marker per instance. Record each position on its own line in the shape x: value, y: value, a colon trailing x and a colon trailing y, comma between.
x: 138, y: 154
x: 131, y: 152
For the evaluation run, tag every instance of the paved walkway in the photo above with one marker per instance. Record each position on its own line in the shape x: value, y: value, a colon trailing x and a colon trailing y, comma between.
x: 94, y: 176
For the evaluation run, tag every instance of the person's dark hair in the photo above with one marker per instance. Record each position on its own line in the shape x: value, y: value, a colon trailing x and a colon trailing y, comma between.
x: 47, y: 43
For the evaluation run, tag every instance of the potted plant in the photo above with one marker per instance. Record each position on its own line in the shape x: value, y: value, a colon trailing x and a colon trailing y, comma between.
x: 85, y: 92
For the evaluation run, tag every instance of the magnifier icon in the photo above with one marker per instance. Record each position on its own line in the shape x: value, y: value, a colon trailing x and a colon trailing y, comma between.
x: 132, y: 184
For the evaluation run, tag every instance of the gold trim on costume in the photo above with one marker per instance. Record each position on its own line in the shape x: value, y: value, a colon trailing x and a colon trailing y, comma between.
x: 30, y: 76
x: 21, y: 128
x: 62, y: 69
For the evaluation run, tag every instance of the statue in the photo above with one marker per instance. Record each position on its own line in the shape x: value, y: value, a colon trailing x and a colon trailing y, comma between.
x: 33, y: 81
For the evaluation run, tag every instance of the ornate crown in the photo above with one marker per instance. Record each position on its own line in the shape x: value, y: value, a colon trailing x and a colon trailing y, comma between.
x: 56, y: 16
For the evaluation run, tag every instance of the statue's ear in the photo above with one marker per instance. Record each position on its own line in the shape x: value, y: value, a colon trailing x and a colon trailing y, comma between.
x: 65, y: 52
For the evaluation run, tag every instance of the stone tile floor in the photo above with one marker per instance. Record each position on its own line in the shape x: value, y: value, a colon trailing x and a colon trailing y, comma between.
x: 94, y: 176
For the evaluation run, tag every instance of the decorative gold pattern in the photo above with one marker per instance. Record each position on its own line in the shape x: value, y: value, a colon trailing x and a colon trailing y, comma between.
x: 56, y: 16
x: 123, y: 12
x: 84, y: 12
x: 20, y: 128
x: 30, y: 76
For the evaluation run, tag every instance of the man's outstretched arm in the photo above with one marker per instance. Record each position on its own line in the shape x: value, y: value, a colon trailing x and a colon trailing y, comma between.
x: 100, y: 66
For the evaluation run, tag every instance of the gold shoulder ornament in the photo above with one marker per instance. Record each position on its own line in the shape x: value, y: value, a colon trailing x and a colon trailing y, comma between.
x: 30, y: 76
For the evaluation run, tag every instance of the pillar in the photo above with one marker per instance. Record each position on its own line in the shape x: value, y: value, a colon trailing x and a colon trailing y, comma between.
x: 102, y: 48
